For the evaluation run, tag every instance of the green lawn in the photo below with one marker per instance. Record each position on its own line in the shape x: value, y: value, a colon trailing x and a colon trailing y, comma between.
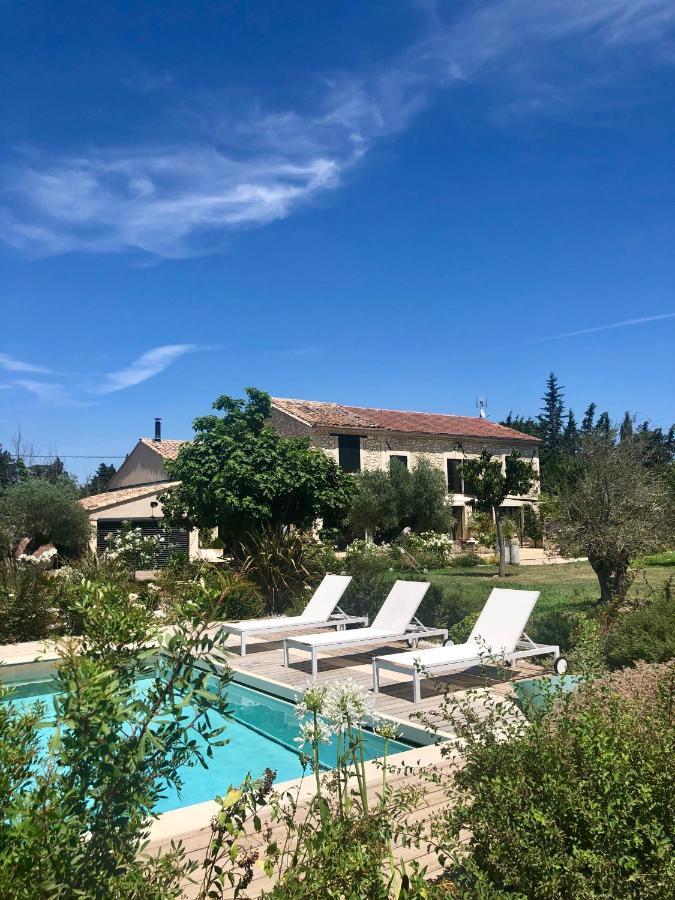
x: 566, y: 590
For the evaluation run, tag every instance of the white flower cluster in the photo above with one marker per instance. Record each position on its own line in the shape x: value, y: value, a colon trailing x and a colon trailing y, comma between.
x: 367, y: 548
x: 44, y: 559
x: 339, y: 706
x: 131, y: 544
x: 347, y: 703
x: 431, y: 542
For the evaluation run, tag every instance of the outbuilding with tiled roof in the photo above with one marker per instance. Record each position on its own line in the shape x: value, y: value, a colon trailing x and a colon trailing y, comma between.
x: 134, y: 495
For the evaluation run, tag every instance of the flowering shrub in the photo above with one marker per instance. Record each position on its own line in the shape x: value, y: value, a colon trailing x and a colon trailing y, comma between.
x: 431, y: 550
x: 132, y: 548
x: 427, y: 550
x: 342, y: 845
x: 339, y: 708
x: 44, y: 560
x: 360, y: 549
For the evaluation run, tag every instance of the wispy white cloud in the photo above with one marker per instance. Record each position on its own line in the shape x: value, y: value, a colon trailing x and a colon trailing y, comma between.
x: 16, y: 365
x: 49, y: 392
x: 626, y: 323
x: 146, y: 366
x: 180, y: 198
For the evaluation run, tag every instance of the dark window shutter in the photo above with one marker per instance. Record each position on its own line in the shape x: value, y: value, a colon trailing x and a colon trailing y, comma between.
x: 349, y: 452
x: 454, y: 479
x: 398, y: 460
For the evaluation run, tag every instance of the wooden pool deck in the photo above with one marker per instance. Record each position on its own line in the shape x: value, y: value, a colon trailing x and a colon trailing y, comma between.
x: 264, y: 661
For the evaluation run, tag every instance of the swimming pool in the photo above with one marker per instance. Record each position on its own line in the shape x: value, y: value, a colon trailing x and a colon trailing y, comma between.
x: 535, y: 694
x: 260, y: 731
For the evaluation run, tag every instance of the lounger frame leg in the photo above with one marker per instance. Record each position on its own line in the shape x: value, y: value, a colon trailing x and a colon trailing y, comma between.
x: 416, y: 687
x: 285, y: 654
x: 376, y: 678
x: 315, y: 663
x: 243, y: 645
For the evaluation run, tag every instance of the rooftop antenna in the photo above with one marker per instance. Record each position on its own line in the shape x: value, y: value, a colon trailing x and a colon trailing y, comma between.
x: 481, y: 406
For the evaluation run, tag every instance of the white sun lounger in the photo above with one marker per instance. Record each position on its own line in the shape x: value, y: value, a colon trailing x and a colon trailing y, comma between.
x: 322, y: 610
x: 394, y: 622
x: 498, y: 636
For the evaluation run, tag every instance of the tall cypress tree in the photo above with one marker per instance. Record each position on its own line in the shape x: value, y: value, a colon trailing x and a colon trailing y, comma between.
x: 603, y: 425
x: 551, y: 416
x: 626, y: 430
x: 551, y: 424
x: 587, y: 421
x: 571, y: 433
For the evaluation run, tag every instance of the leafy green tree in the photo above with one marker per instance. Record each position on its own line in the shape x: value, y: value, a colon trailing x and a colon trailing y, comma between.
x: 46, y: 511
x: 526, y: 425
x: 570, y: 438
x: 386, y: 502
x: 428, y: 507
x: 51, y: 471
x: 99, y: 480
x: 659, y: 448
x: 374, y: 509
x: 239, y: 474
x: 603, y: 426
x: 8, y: 468
x: 616, y: 510
x: 493, y: 484
x: 551, y: 428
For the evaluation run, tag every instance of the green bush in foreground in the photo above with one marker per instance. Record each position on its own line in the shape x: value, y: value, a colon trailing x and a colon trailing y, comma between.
x: 647, y: 634
x: 29, y: 602
x: 75, y: 815
x: 576, y: 805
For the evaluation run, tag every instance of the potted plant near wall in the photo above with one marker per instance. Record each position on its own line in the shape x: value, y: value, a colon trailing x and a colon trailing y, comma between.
x: 511, y: 542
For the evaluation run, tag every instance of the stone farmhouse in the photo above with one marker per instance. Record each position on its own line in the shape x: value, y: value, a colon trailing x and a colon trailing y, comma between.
x: 363, y: 438
x: 355, y: 437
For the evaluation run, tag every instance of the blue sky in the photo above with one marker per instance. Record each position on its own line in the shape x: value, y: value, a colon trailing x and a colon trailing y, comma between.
x: 405, y: 204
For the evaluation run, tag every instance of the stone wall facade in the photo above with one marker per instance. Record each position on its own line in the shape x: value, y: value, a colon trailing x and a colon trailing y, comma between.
x: 377, y: 447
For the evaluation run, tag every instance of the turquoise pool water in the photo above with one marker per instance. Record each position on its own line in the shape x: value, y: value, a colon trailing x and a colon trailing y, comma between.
x: 260, y: 731
x: 535, y: 693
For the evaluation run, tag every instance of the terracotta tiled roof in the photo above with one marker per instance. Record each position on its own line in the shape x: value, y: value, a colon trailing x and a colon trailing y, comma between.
x: 122, y: 495
x: 334, y: 415
x: 166, y: 449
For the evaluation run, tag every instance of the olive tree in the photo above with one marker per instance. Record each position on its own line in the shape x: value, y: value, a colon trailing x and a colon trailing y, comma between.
x: 46, y: 511
x: 617, y: 509
x: 387, y: 501
x: 493, y: 483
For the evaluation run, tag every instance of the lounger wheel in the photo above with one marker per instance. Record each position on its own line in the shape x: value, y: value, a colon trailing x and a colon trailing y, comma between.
x: 560, y: 665
x: 447, y: 641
